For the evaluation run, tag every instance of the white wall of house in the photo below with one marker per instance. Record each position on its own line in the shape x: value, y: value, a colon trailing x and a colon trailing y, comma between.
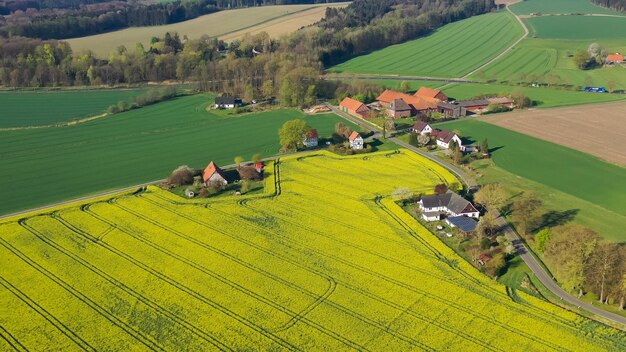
x: 224, y: 106
x: 447, y: 145
x: 310, y: 142
x: 426, y: 130
x: 357, y: 143
x: 216, y: 178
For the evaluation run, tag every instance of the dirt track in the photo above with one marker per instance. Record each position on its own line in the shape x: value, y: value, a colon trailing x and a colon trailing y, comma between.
x: 598, y: 129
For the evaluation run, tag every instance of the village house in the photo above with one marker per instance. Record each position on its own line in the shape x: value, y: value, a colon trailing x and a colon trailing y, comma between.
x: 227, y: 102
x: 259, y: 167
x: 356, y: 141
x: 310, y: 139
x: 616, y: 58
x: 354, y: 107
x: 430, y: 93
x: 444, y: 138
x: 418, y: 105
x: 422, y: 128
x: 212, y: 174
x: 449, y: 204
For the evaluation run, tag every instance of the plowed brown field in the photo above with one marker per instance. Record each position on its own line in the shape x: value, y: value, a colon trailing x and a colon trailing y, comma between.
x: 598, y: 129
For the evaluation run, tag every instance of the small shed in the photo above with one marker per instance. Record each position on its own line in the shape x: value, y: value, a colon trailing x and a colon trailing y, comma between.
x: 259, y: 167
x: 189, y: 193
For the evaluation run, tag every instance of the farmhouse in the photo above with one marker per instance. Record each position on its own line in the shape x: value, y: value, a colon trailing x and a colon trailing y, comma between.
x: 616, y: 58
x: 212, y: 174
x: 310, y: 139
x: 422, y: 127
x: 356, y: 141
x: 227, y: 102
x: 430, y: 93
x: 444, y: 138
x: 449, y: 204
x: 354, y: 107
x: 418, y: 105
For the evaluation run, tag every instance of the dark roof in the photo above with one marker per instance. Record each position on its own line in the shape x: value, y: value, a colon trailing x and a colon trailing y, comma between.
x: 445, y: 136
x: 464, y: 223
x: 454, y: 202
x: 399, y: 105
x: 476, y: 102
x: 420, y: 125
x: 448, y: 105
x: 226, y: 100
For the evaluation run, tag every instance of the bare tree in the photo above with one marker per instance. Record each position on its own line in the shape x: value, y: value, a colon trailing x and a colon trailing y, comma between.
x: 492, y: 196
x: 601, y: 271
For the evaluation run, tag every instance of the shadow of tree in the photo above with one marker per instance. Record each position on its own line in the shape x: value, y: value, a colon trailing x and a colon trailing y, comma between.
x: 556, y: 218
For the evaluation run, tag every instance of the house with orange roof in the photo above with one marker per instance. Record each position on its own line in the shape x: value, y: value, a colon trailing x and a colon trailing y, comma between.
x: 212, y: 174
x: 418, y: 105
x: 356, y: 141
x: 426, y: 92
x: 354, y: 107
x: 616, y: 58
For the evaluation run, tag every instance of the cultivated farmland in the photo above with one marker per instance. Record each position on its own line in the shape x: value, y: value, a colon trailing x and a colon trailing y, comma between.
x: 550, y: 60
x: 592, y: 28
x: 451, y: 51
x: 133, y: 147
x: 323, y: 261
x: 228, y: 24
x: 527, y: 7
x: 560, y: 168
x: 22, y: 109
x: 601, y: 135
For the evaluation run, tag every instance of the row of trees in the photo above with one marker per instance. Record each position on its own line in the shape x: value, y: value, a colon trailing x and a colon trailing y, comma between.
x: 619, y: 5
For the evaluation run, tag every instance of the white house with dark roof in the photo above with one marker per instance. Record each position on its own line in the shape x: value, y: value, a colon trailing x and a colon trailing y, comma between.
x: 444, y: 138
x: 227, y: 102
x: 450, y: 204
x: 422, y: 127
x: 356, y: 141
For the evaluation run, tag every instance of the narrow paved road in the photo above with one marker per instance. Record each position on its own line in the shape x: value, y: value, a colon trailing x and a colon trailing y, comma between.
x: 521, y: 248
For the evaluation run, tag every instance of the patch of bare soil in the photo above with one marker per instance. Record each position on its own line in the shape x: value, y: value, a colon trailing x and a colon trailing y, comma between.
x: 598, y: 129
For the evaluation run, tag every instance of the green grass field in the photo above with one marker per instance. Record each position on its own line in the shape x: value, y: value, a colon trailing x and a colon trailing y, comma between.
x: 593, y: 28
x: 21, y: 109
x: 542, y: 97
x: 451, y: 51
x: 536, y: 59
x: 559, y: 7
x: 323, y: 260
x: 594, y: 187
x: 48, y: 165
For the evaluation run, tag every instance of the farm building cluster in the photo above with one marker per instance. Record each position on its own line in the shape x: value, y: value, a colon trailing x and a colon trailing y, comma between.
x: 450, y: 207
x: 424, y: 101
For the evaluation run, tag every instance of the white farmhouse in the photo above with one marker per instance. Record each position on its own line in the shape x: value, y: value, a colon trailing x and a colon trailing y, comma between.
x: 422, y: 128
x: 310, y: 139
x: 227, y: 102
x: 444, y: 138
x: 356, y: 141
x: 435, y: 206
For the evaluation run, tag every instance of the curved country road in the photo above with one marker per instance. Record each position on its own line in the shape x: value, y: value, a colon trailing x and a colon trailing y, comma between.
x: 532, y: 262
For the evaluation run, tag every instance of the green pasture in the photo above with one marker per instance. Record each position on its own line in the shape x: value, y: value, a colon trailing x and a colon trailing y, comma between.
x: 551, y: 61
x: 579, y: 181
x: 395, y: 83
x: 22, y: 109
x: 451, y: 51
x: 542, y: 97
x: 44, y: 166
x: 576, y: 27
x: 559, y: 7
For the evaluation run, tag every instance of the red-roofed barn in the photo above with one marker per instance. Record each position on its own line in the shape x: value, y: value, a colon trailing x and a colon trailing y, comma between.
x: 354, y: 107
x: 213, y: 175
x: 426, y: 92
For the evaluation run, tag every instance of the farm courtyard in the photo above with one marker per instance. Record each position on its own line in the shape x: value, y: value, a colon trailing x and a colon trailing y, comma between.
x: 299, y: 268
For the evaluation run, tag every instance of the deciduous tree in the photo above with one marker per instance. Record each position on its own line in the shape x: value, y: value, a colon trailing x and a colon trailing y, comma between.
x: 292, y: 133
x: 492, y: 196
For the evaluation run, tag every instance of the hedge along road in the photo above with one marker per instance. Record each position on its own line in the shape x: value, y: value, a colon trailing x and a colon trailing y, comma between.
x: 521, y: 248
x: 45, y: 166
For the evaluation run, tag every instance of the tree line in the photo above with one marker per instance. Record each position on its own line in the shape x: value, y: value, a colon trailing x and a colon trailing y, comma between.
x: 619, y: 5
x: 70, y: 19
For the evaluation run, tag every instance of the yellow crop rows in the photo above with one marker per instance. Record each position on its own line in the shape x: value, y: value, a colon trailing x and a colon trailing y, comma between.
x: 323, y: 260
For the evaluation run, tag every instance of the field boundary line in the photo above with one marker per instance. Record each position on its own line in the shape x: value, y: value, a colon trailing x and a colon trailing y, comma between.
x: 507, y: 50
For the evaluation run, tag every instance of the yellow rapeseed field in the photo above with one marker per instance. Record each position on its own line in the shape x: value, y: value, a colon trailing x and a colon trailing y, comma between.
x: 324, y: 260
